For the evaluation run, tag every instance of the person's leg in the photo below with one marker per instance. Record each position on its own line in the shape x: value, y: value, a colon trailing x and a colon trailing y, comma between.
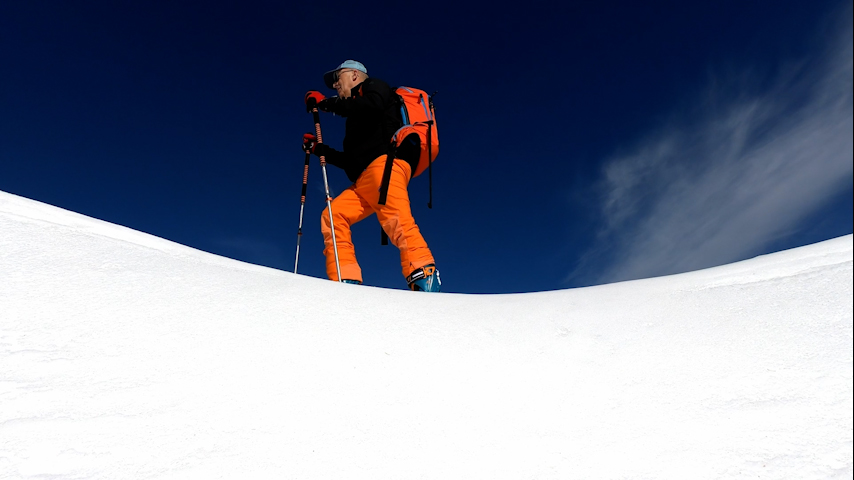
x: 347, y: 209
x: 395, y: 216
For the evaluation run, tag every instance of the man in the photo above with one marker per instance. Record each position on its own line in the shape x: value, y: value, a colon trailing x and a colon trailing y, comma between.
x: 373, y: 116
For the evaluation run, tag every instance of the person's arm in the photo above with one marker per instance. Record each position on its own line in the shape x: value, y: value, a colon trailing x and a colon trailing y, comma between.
x: 372, y: 101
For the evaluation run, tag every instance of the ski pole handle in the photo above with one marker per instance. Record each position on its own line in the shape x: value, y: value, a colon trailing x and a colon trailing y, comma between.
x: 316, y: 113
x: 305, y: 177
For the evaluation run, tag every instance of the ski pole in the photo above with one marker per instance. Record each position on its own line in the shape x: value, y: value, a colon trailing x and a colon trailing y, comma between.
x: 302, y: 206
x: 316, y: 114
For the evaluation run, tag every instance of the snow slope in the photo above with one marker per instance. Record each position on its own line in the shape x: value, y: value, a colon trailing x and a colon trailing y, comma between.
x: 126, y: 356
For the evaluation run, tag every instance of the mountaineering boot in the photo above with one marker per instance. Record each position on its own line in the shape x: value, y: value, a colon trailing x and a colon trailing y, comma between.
x: 352, y: 282
x: 425, y: 279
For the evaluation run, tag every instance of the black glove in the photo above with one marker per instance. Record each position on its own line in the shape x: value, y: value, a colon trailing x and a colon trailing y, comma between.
x: 321, y: 150
x: 327, y: 104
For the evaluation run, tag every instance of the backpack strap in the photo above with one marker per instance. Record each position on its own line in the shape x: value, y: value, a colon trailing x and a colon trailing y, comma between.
x: 389, y: 163
x: 430, y: 148
x: 430, y: 161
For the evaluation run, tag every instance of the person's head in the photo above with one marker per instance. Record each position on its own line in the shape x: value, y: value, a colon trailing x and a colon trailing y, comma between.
x: 345, y: 77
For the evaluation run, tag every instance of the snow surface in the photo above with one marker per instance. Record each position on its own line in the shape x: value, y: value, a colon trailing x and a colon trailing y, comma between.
x: 126, y: 356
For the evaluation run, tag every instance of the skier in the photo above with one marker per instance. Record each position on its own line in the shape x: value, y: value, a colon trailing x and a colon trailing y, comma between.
x: 372, y: 116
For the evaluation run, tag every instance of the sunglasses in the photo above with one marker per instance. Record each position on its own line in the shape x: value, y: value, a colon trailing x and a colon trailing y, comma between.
x: 336, y: 75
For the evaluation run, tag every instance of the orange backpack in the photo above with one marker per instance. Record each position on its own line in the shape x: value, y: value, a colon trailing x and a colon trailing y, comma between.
x: 419, y: 119
x: 416, y: 110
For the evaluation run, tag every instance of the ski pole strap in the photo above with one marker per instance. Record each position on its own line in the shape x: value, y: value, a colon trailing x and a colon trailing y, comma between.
x: 383, y: 237
x: 389, y: 163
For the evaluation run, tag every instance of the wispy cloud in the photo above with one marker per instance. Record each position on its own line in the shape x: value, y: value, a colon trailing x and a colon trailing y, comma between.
x: 717, y: 187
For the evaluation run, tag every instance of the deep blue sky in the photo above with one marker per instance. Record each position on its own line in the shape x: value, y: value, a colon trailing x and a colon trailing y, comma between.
x: 580, y: 143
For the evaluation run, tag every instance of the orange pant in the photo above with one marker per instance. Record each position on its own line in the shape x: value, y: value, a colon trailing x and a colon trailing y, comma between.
x: 359, y: 202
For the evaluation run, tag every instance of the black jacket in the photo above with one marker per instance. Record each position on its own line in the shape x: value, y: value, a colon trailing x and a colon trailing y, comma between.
x: 373, y: 115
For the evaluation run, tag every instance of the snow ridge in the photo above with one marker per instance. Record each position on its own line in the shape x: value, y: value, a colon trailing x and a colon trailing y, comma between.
x: 123, y: 355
